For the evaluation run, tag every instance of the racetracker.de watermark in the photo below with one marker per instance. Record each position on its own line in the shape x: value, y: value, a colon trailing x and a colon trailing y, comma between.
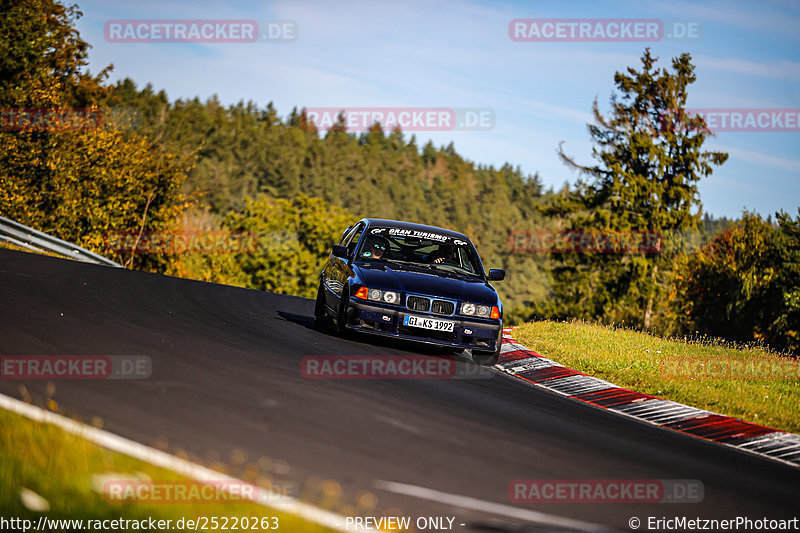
x: 729, y: 368
x: 68, y: 119
x: 75, y: 367
x: 584, y: 242
x: 734, y: 119
x: 602, y: 30
x: 606, y: 490
x: 191, y: 492
x: 194, y: 242
x: 361, y: 119
x: 199, y: 31
x: 389, y: 367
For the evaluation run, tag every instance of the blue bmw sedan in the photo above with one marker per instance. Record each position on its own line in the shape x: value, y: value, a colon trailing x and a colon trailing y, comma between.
x: 415, y: 282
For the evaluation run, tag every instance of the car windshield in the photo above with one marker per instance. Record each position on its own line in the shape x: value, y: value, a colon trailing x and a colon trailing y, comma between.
x: 429, y: 250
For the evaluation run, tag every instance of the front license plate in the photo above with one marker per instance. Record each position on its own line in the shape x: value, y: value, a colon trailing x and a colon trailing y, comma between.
x: 428, y: 323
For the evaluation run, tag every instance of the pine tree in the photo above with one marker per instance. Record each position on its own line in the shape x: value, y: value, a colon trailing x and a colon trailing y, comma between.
x: 650, y: 157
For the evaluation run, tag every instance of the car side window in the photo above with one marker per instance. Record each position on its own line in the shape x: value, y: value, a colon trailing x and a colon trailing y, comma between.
x: 346, y: 235
x: 464, y: 261
x: 352, y: 239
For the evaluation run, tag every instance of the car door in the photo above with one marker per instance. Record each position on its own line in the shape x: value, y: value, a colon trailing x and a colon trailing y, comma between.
x: 339, y: 270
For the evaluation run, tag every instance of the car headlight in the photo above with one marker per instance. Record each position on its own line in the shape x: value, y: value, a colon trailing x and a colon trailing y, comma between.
x: 482, y: 311
x: 377, y: 295
x: 390, y: 297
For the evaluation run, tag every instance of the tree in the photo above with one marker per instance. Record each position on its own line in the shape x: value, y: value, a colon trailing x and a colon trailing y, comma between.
x: 43, y: 59
x: 295, y: 237
x: 745, y: 284
x: 650, y: 157
x: 78, y: 180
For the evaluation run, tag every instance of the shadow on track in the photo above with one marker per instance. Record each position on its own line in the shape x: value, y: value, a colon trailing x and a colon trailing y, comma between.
x: 378, y: 340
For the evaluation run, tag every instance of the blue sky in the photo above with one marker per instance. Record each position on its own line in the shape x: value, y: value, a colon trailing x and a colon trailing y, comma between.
x: 458, y: 54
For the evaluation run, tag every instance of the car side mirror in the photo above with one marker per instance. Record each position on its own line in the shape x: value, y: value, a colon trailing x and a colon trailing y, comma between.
x: 340, y: 251
x: 497, y: 274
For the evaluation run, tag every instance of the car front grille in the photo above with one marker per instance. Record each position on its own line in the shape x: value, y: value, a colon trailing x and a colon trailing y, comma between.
x: 418, y: 303
x: 443, y: 307
x: 429, y: 305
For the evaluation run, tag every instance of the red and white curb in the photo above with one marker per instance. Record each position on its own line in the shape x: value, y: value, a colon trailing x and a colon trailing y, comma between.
x: 527, y: 365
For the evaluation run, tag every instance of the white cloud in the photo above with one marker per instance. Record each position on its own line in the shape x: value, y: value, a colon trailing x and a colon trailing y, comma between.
x: 757, y: 16
x: 761, y: 159
x: 786, y: 70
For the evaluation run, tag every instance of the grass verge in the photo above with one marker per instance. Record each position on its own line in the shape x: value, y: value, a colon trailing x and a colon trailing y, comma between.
x: 59, y: 467
x: 750, y: 383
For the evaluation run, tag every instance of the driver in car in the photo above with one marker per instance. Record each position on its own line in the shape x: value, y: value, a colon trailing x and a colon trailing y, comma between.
x: 445, y: 253
x: 375, y: 248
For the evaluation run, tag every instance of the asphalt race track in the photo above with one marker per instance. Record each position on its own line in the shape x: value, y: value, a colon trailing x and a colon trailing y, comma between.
x: 226, y: 375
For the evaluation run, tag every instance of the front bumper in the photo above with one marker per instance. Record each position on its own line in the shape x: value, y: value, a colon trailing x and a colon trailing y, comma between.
x: 374, y: 319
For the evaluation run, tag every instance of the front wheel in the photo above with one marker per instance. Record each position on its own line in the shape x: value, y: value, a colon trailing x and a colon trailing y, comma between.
x: 321, y: 319
x: 482, y: 358
x: 486, y: 359
x: 341, y: 316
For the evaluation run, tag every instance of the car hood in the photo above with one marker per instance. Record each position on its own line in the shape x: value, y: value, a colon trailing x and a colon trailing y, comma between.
x: 411, y: 281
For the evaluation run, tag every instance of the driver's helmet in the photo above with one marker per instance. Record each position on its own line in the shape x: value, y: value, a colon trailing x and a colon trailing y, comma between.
x: 375, y: 245
x: 445, y: 252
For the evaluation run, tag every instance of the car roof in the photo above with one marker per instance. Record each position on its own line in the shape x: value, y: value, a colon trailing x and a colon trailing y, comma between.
x: 413, y: 226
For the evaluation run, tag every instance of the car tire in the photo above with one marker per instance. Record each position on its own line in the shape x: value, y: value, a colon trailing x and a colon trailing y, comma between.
x: 482, y: 358
x: 321, y: 319
x: 341, y: 315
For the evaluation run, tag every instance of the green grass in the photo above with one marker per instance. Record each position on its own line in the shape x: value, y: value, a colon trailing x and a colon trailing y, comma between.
x: 650, y: 364
x: 59, y: 466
